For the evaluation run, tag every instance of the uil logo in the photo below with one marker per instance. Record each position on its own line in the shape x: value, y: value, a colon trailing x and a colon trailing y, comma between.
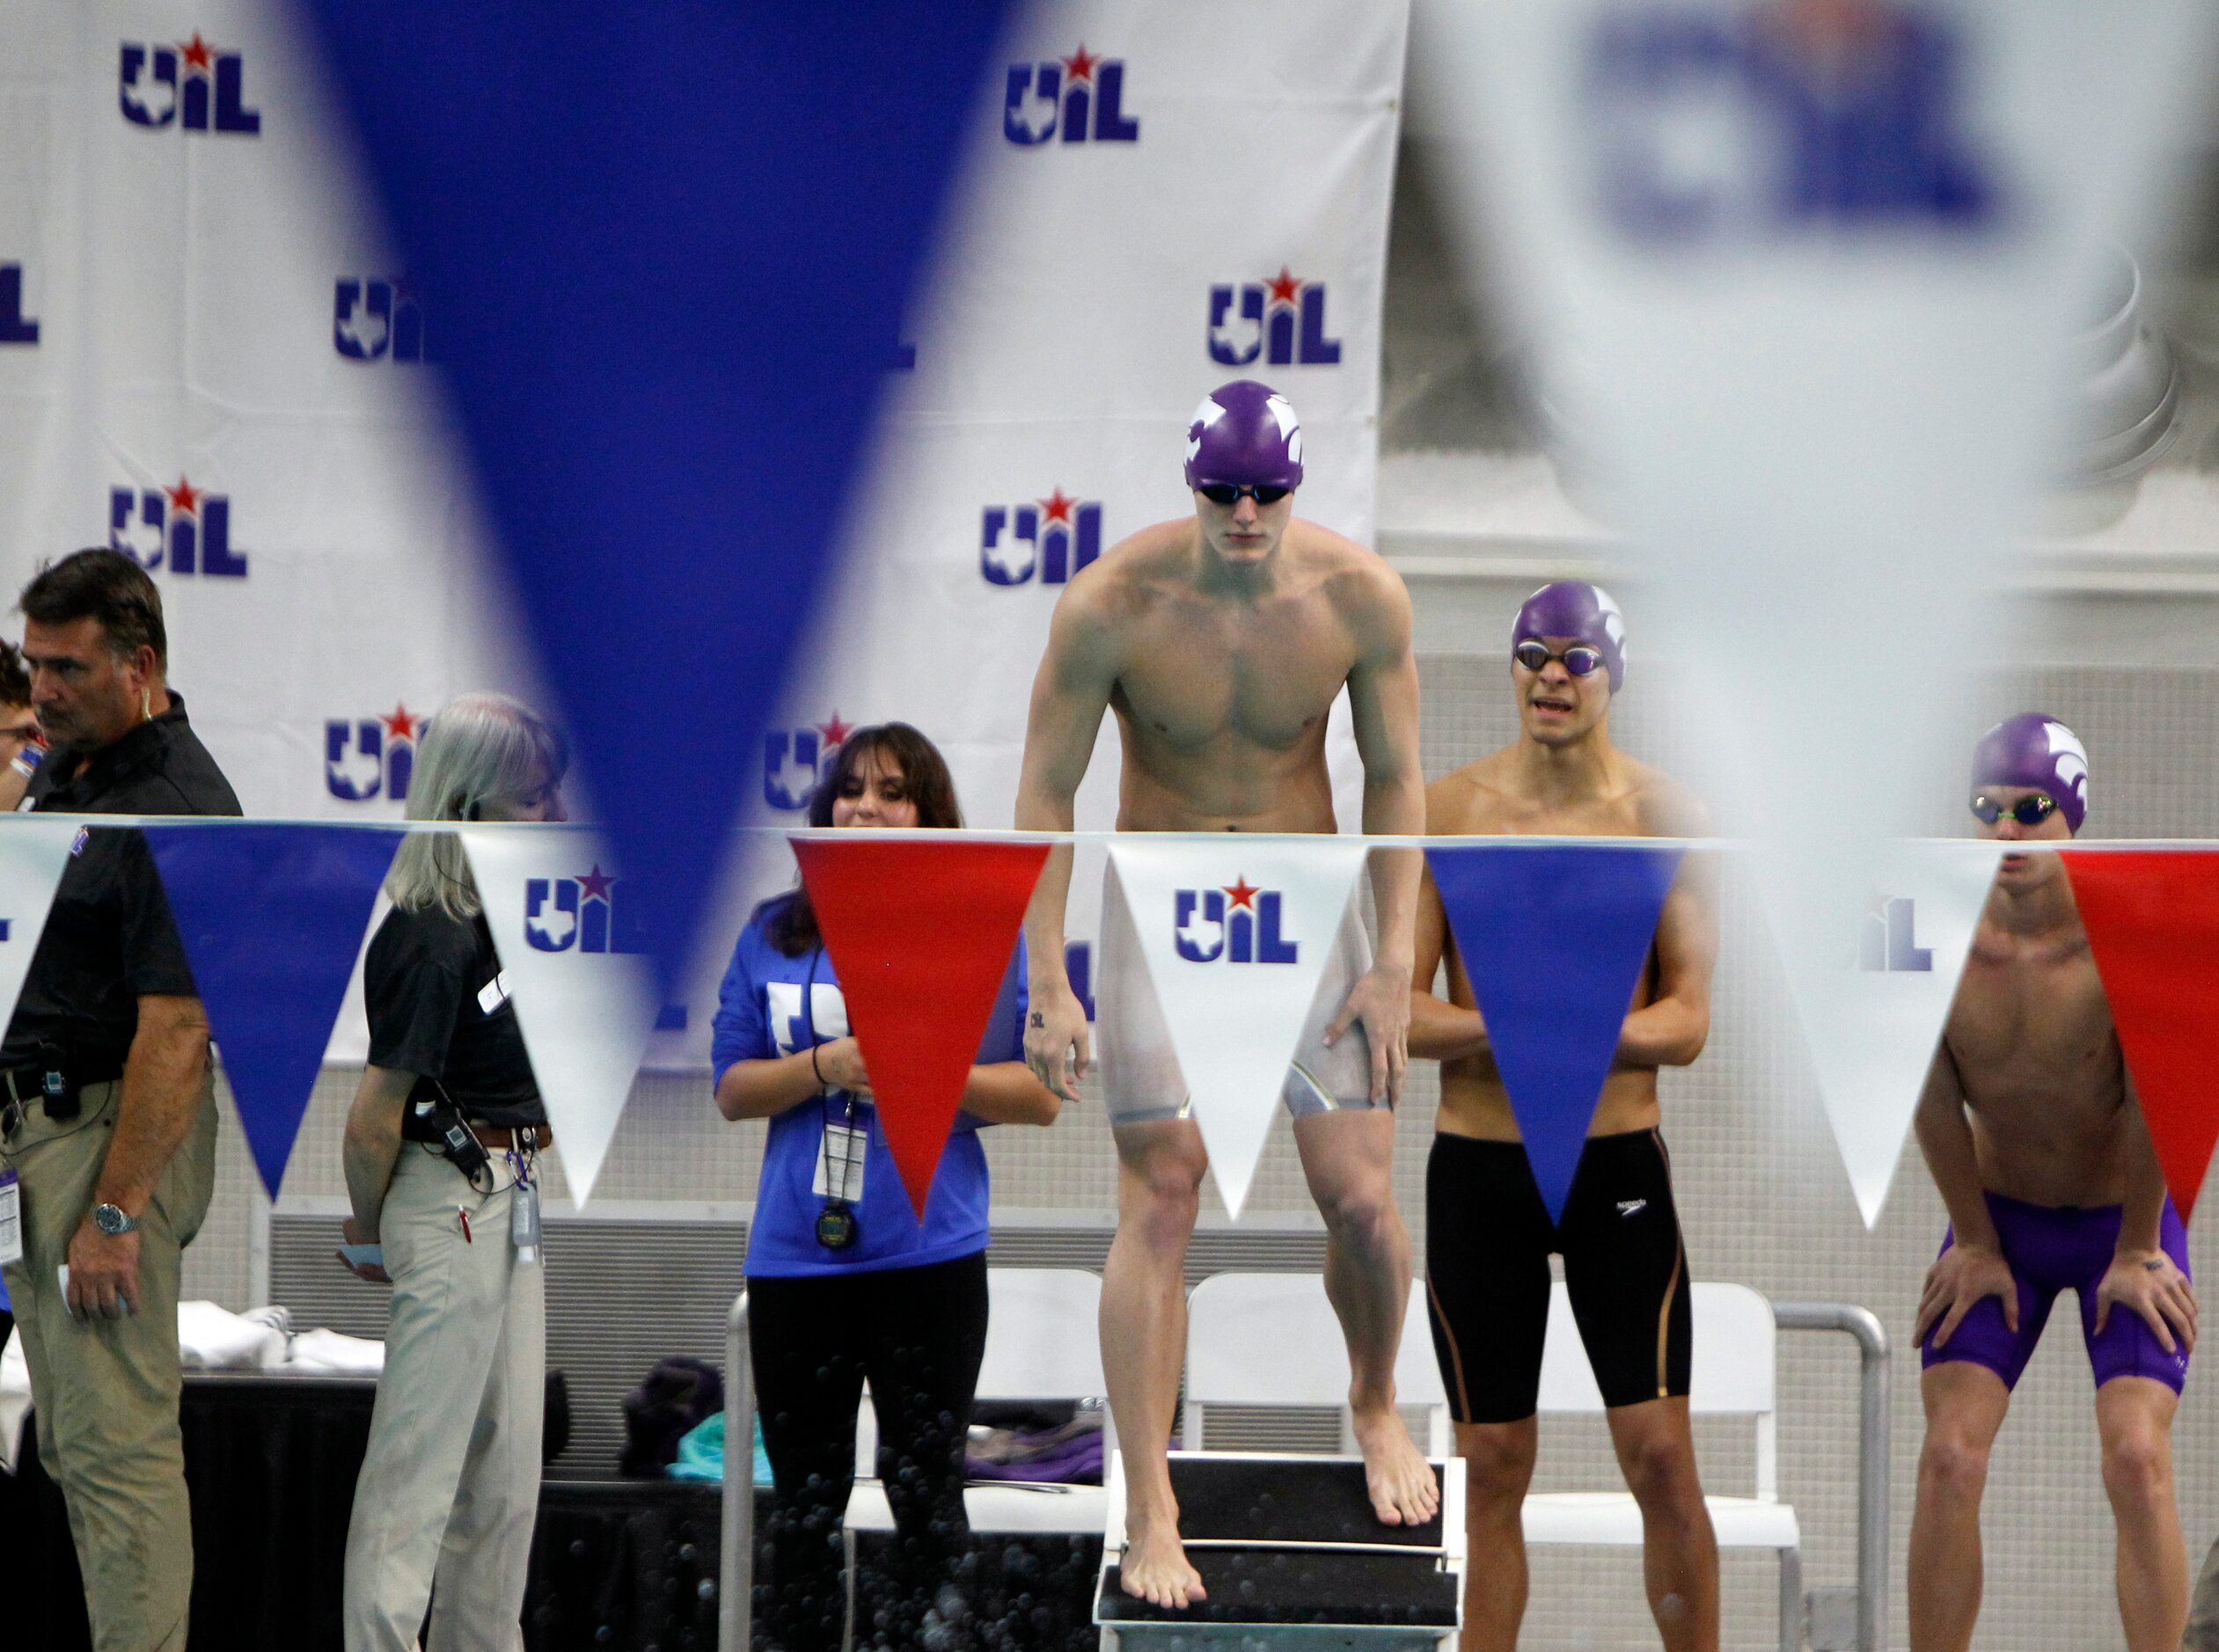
x: 15, y: 327
x: 1847, y: 114
x: 377, y: 318
x: 1888, y: 940
x: 1080, y: 98
x: 1238, y: 922
x: 371, y: 756
x: 191, y: 86
x: 1280, y: 322
x: 184, y: 528
x: 793, y: 758
x: 584, y: 914
x: 1051, y: 539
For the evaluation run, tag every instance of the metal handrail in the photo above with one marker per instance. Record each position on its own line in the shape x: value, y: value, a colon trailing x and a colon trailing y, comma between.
x: 1872, y: 1451
x: 736, y: 1570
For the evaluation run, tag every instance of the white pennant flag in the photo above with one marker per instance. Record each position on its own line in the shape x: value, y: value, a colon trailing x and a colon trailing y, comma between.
x: 33, y: 853
x: 1799, y: 277
x: 1237, y: 933
x: 579, y: 975
x: 1874, y: 944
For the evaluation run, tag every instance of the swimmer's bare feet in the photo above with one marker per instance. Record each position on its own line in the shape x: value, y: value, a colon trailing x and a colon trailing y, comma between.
x: 1155, y: 1567
x: 1404, y: 1490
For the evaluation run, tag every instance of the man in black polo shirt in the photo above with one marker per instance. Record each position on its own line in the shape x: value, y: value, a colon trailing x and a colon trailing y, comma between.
x: 107, y: 1108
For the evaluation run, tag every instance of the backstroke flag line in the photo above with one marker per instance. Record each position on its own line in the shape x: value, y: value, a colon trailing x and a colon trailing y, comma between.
x: 1236, y: 940
x: 573, y: 962
x: 1553, y: 938
x: 2152, y: 918
x: 920, y: 935
x: 272, y: 918
x: 585, y: 190
x: 1872, y: 979
x: 1798, y: 278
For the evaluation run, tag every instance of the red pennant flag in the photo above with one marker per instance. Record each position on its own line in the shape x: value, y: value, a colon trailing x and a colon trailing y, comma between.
x: 2152, y: 918
x: 919, y: 934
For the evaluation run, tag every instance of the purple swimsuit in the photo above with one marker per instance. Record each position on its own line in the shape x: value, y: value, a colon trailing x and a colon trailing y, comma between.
x: 2052, y: 1248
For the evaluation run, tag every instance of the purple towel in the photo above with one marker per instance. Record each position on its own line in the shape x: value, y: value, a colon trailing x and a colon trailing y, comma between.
x: 1074, y: 1462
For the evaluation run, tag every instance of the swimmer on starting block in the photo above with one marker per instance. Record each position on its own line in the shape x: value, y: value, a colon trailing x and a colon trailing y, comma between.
x: 1488, y: 1233
x: 1221, y: 640
x: 2030, y: 1127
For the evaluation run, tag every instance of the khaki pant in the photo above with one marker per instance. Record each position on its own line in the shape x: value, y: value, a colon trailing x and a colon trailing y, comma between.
x: 449, y: 1486
x: 107, y: 1391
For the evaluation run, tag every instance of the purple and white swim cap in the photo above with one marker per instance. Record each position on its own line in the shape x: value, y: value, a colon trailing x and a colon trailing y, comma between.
x: 2034, y: 750
x: 1246, y: 434
x: 1573, y: 608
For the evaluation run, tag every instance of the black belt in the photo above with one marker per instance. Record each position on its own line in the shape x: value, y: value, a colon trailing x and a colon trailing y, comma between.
x: 23, y: 1088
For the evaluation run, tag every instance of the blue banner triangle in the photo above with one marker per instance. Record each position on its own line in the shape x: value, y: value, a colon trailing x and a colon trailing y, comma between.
x: 664, y: 253
x: 1553, y: 938
x: 272, y: 918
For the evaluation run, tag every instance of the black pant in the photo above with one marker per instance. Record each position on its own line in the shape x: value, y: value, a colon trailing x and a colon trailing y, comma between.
x: 917, y: 1334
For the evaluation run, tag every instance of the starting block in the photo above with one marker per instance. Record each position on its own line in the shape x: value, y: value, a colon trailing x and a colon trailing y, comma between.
x: 1293, y: 1557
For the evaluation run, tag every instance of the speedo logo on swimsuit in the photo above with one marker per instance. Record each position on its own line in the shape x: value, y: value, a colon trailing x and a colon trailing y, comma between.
x: 1632, y: 1207
x: 1238, y: 922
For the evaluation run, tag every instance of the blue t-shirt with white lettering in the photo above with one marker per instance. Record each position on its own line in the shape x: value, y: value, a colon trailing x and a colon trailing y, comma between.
x: 772, y: 1006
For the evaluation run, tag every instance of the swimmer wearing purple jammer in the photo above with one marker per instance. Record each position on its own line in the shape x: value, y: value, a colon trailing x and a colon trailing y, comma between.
x: 2030, y: 1125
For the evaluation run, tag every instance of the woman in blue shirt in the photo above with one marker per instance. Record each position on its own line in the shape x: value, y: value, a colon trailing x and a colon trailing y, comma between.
x: 845, y: 1284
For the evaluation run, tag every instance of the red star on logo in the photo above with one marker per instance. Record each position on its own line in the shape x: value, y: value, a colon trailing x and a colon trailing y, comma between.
x: 400, y: 725
x: 1239, y: 894
x: 1840, y: 25
x: 1057, y: 505
x: 196, y: 53
x: 1080, y: 66
x: 184, y: 497
x: 595, y: 885
x: 1285, y: 288
x: 834, y: 733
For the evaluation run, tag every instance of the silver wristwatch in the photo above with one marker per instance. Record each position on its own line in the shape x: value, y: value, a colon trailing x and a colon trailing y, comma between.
x: 110, y: 1219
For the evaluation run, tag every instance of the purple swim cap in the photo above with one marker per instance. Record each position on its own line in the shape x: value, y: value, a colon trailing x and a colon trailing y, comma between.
x: 1573, y: 608
x: 1246, y: 434
x: 2036, y: 750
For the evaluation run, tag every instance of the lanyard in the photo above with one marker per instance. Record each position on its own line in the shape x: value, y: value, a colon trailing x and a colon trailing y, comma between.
x: 839, y: 1195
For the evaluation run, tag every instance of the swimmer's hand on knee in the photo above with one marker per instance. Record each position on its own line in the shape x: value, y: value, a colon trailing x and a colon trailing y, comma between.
x: 1960, y: 1277
x: 1381, y: 1000
x: 2151, y: 1285
x: 1057, y: 1042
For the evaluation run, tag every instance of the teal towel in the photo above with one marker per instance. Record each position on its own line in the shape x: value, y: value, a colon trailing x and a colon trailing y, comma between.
x: 702, y: 1453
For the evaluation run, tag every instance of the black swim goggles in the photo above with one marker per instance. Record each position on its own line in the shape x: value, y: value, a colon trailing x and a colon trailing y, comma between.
x: 2031, y: 810
x: 1579, y: 659
x: 1226, y: 494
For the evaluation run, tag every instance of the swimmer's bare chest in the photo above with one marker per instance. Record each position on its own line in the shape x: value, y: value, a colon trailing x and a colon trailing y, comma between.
x: 1474, y: 1100
x: 2032, y: 1037
x: 1222, y: 709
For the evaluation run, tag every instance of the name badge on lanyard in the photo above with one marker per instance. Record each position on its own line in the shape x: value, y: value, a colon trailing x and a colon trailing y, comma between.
x: 840, y: 1155
x: 11, y: 1218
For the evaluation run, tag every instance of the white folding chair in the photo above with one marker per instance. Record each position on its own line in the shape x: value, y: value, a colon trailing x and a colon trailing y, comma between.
x: 1043, y: 1342
x: 1733, y: 1376
x: 1274, y: 1339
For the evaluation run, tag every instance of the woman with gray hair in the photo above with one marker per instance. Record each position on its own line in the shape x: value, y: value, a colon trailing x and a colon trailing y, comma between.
x: 440, y: 1151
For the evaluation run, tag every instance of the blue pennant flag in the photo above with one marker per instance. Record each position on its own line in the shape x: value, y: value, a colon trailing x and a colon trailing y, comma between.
x: 272, y: 918
x: 1553, y: 938
x: 670, y: 246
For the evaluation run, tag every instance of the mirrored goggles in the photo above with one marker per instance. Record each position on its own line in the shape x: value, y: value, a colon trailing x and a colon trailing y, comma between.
x: 2031, y: 810
x: 1226, y: 494
x: 1579, y: 659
